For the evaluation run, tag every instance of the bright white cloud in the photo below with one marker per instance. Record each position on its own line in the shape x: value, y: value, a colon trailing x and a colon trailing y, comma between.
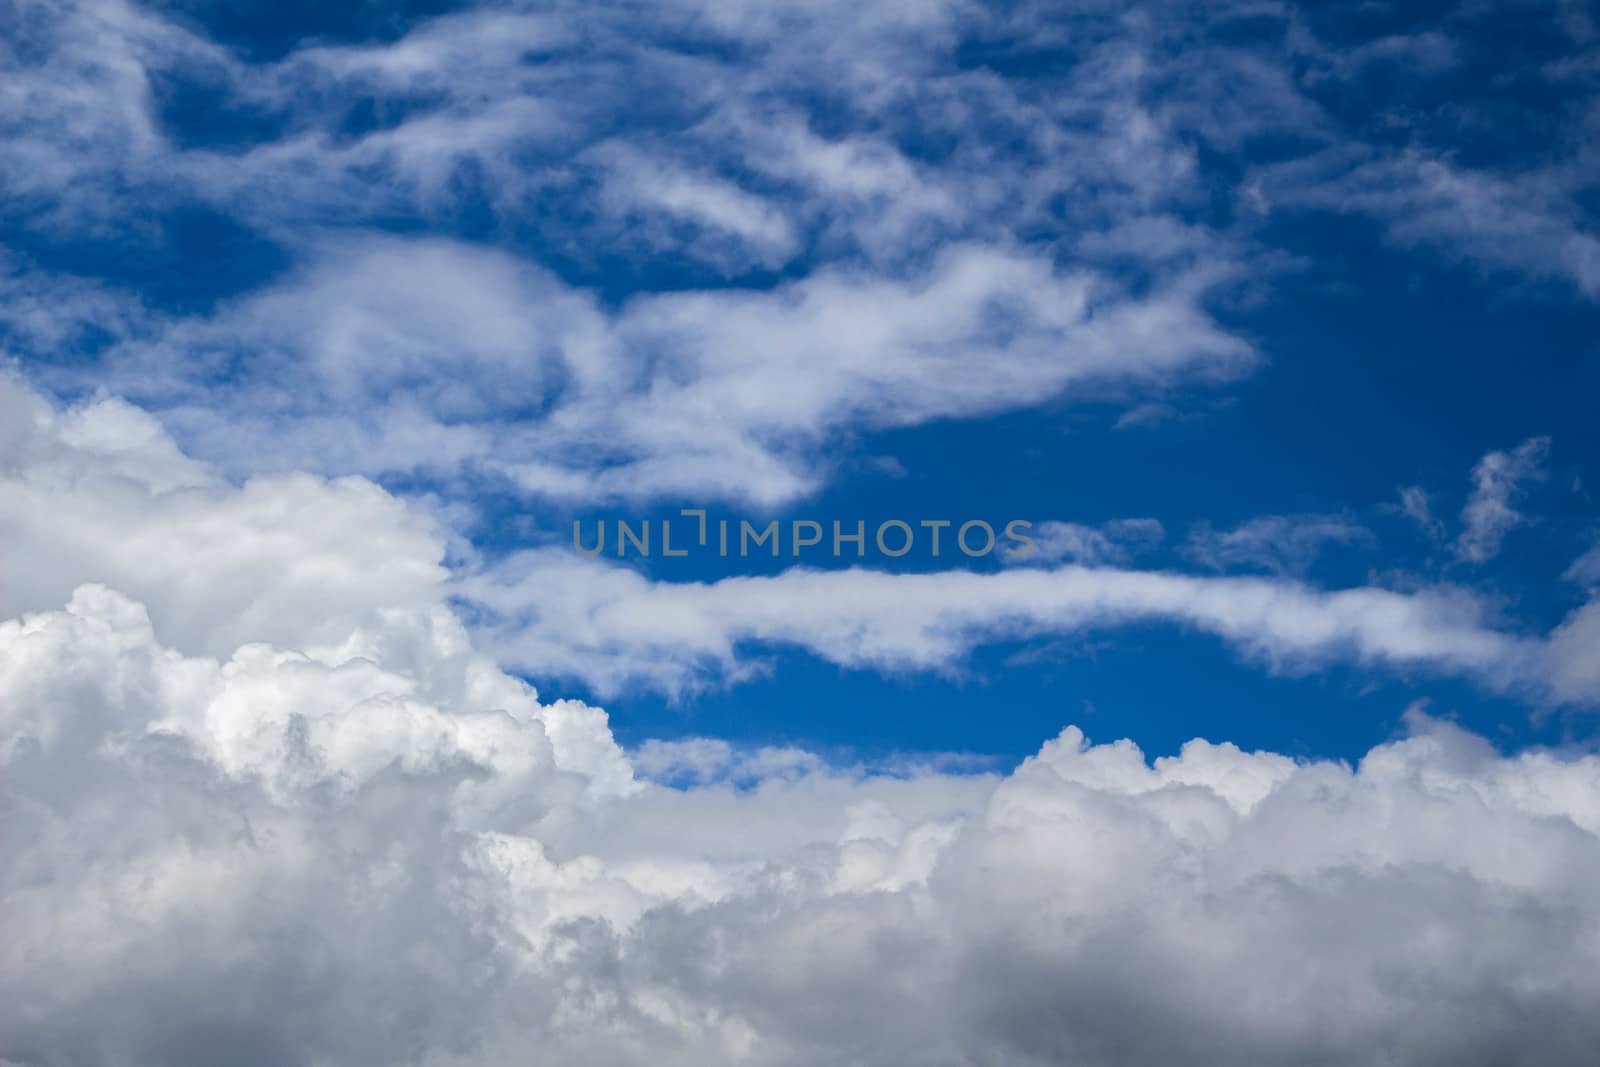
x: 408, y: 881
x: 287, y: 810
x: 329, y: 571
x: 100, y: 493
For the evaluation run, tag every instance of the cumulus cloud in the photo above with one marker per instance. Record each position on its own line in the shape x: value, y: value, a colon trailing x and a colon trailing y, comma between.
x: 275, y: 809
x: 272, y: 859
x: 100, y: 493
x: 328, y: 570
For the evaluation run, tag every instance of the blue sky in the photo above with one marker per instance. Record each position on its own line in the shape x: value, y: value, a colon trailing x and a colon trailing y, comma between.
x: 1325, y: 256
x: 321, y: 326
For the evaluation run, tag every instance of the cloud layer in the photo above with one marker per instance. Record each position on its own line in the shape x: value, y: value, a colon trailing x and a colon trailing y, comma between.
x: 825, y: 248
x: 284, y: 814
x: 280, y: 858
x: 553, y: 613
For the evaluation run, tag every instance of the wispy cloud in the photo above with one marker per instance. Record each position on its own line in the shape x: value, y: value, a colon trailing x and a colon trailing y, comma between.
x: 426, y: 355
x: 549, y: 611
x: 1498, y: 483
x: 1281, y: 544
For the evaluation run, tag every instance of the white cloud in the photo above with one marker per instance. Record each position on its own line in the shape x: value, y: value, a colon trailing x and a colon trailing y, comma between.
x: 702, y: 760
x: 100, y: 493
x: 330, y: 571
x: 339, y: 568
x: 1115, y: 542
x: 934, y: 219
x: 877, y: 137
x: 1586, y: 568
x: 1575, y: 653
x: 1280, y: 544
x: 76, y: 105
x: 1498, y: 482
x: 1531, y: 222
x: 286, y: 811
x: 267, y: 799
x: 549, y: 610
x: 654, y: 200
x: 315, y: 862
x: 391, y: 355
x: 1416, y: 506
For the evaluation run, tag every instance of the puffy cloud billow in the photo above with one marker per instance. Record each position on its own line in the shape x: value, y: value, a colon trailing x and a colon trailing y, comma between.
x: 282, y: 859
